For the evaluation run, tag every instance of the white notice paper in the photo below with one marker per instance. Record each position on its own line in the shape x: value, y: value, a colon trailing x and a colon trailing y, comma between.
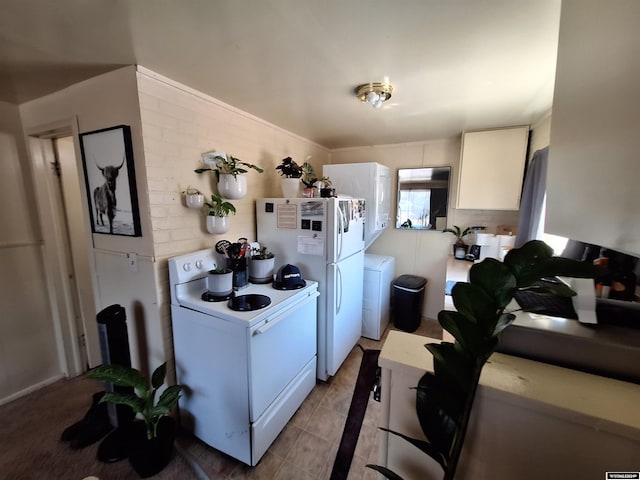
x: 311, y: 245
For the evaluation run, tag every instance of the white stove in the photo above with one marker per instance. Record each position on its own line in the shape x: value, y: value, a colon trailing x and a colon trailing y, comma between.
x: 245, y: 372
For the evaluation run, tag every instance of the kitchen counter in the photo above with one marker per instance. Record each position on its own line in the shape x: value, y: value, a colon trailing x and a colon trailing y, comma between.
x: 534, y: 420
x: 608, y: 348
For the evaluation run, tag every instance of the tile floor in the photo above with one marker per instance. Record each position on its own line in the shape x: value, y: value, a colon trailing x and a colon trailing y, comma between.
x: 306, y: 448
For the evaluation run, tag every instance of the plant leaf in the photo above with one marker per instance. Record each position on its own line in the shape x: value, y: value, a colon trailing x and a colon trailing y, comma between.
x: 496, y: 279
x: 472, y: 301
x: 433, y: 401
x: 422, y: 445
x: 170, y: 397
x: 157, y: 378
x: 385, y: 471
x: 119, y: 375
x: 135, y: 402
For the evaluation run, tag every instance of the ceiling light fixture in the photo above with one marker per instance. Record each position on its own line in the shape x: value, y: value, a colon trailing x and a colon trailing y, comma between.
x: 375, y: 93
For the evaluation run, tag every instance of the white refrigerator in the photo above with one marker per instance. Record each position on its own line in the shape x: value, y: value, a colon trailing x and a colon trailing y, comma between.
x: 324, y: 238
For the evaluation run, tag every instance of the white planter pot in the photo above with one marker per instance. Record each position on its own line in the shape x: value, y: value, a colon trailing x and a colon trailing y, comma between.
x: 261, y: 271
x: 217, y: 224
x: 220, y: 284
x: 195, y: 200
x: 232, y: 187
x: 290, y: 187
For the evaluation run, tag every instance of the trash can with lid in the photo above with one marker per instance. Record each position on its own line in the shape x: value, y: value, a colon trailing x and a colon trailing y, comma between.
x: 408, y: 296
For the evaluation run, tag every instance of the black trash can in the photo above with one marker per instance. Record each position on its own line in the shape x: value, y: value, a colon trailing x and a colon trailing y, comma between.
x: 408, y: 296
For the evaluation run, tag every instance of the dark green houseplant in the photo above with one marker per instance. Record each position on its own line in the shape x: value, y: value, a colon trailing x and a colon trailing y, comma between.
x: 444, y: 398
x: 151, y: 438
x: 229, y: 165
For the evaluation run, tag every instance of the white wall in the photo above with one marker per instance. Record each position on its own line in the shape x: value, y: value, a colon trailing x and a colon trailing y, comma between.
x: 28, y: 346
x: 108, y: 100
x: 417, y: 252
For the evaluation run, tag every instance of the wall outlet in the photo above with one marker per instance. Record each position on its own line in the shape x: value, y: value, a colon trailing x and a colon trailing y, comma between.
x: 133, y: 262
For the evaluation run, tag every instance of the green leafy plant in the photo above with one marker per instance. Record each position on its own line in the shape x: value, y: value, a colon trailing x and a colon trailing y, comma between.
x: 143, y: 400
x: 219, y: 207
x: 458, y: 233
x: 289, y: 168
x: 326, y: 181
x: 261, y: 253
x: 230, y: 165
x: 221, y: 270
x: 444, y: 398
x: 308, y: 175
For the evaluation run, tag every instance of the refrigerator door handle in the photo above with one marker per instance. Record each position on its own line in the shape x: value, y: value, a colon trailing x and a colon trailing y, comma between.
x: 338, y: 289
x: 340, y: 232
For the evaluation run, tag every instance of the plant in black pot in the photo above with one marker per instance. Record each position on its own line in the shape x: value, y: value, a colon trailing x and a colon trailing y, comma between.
x: 152, y: 435
x: 326, y: 190
x: 459, y: 248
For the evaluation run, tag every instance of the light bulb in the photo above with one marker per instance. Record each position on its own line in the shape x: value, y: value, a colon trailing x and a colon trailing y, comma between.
x: 372, y: 97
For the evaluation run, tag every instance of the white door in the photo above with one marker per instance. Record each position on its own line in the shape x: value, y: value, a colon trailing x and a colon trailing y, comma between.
x: 344, y: 309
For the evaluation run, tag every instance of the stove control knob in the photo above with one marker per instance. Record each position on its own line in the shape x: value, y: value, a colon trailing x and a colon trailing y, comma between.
x: 199, y: 264
x: 187, y: 266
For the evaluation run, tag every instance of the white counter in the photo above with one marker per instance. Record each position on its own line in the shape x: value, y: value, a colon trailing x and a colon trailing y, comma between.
x: 530, y: 419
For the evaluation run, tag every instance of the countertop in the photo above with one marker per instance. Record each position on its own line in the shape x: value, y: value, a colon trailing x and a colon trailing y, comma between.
x: 606, y: 403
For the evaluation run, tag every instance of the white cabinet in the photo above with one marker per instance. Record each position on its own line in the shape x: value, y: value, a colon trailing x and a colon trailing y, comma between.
x: 528, y: 419
x: 492, y: 168
x: 376, y: 297
x: 592, y: 178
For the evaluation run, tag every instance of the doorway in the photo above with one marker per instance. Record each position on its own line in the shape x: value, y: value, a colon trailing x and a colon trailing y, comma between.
x: 59, y: 185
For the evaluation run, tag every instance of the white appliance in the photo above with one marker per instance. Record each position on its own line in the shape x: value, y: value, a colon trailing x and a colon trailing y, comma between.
x: 245, y: 372
x: 371, y: 181
x: 323, y: 237
x: 376, y: 302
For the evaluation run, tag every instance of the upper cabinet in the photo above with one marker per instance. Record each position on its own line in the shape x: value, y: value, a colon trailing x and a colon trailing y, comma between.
x: 593, y: 192
x: 492, y: 168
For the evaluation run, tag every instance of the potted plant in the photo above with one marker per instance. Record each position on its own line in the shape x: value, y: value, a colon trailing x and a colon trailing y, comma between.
x: 218, y: 211
x: 261, y: 265
x: 309, y: 179
x: 220, y: 281
x: 291, y: 172
x: 193, y: 198
x: 459, y: 248
x: 444, y: 397
x: 152, y: 436
x: 326, y: 190
x: 228, y: 169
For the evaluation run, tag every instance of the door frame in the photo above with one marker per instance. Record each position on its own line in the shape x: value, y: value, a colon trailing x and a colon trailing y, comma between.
x: 77, y: 341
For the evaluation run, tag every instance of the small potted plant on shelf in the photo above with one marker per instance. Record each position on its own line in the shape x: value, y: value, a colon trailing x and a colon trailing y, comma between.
x: 309, y: 180
x: 218, y: 211
x: 151, y: 439
x: 459, y: 248
x: 229, y: 172
x: 326, y: 190
x: 291, y: 173
x: 193, y: 198
x: 261, y: 265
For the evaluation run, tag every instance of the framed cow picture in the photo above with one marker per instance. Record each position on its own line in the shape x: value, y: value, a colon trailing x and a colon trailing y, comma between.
x: 107, y: 159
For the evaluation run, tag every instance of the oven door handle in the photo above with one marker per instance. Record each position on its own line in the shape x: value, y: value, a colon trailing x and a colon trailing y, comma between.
x: 270, y: 323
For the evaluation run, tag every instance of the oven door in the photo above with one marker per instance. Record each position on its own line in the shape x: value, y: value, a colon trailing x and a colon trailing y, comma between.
x: 279, y: 349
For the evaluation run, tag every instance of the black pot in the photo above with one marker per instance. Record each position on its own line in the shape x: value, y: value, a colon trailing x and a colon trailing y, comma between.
x: 460, y: 245
x: 327, y: 192
x: 150, y: 456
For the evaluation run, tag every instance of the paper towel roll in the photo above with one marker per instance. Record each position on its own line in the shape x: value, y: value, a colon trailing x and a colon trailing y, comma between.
x: 505, y: 243
x: 484, y: 238
x: 489, y: 248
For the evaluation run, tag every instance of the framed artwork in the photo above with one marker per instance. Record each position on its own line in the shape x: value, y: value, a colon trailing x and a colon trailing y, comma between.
x: 107, y: 159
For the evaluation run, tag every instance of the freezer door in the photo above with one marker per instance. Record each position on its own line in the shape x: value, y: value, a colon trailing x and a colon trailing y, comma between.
x: 345, y: 233
x: 344, y: 309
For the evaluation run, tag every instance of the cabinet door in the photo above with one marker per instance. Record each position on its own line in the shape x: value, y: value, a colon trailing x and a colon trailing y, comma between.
x: 492, y: 169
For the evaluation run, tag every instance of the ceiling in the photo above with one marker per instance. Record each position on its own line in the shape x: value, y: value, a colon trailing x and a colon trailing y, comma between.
x: 455, y: 64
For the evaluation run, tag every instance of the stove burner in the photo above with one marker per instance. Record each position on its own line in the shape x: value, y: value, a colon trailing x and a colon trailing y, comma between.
x: 247, y: 303
x: 210, y: 297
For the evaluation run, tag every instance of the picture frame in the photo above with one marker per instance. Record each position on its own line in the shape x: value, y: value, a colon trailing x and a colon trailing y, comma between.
x: 107, y: 160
